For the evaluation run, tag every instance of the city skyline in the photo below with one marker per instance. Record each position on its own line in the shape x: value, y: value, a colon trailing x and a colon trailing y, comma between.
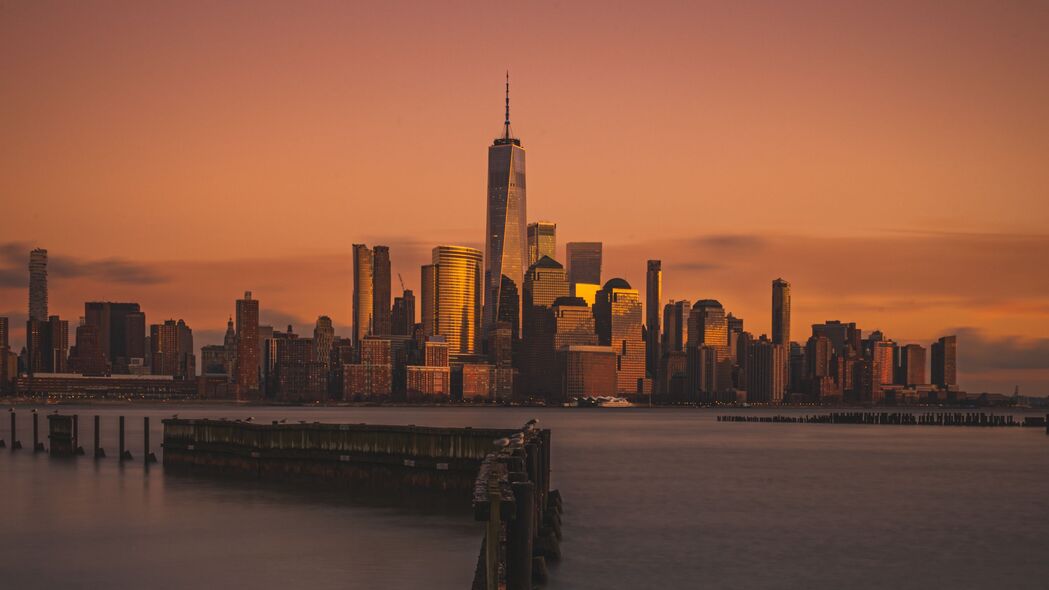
x: 910, y: 276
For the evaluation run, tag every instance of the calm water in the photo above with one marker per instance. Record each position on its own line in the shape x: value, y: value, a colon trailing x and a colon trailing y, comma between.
x: 653, y: 499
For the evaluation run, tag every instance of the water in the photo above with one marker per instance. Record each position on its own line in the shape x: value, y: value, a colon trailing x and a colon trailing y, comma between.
x: 653, y: 499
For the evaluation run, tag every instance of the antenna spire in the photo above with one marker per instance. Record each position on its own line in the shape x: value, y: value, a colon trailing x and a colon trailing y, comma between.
x: 506, y: 124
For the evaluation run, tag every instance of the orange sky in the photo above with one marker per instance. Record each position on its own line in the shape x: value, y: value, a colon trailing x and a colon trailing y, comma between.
x: 887, y: 158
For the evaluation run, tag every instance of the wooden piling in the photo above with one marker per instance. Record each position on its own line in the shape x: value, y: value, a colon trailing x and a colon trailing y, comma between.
x: 15, y: 443
x: 492, y: 541
x: 36, y: 433
x: 124, y: 453
x: 99, y: 452
x: 519, y: 538
x: 147, y: 456
x: 76, y: 432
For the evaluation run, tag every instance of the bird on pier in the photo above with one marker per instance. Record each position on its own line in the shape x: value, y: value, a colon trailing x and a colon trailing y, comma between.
x: 283, y: 420
x: 501, y: 442
x: 34, y: 410
x: 175, y: 416
x: 249, y: 418
x: 534, y: 422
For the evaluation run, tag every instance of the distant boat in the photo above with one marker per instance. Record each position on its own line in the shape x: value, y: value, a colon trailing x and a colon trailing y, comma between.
x: 614, y: 402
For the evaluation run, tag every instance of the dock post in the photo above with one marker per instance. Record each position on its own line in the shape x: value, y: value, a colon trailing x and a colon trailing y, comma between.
x: 36, y: 433
x: 492, y: 541
x: 77, y: 450
x: 124, y: 453
x: 147, y: 456
x: 519, y: 538
x: 99, y: 453
x: 15, y: 443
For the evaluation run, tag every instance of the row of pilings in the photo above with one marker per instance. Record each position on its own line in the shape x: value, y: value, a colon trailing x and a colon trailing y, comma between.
x: 977, y: 419
x: 512, y: 496
x: 64, y: 437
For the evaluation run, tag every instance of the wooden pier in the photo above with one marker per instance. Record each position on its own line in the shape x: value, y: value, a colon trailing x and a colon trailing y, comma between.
x: 969, y: 419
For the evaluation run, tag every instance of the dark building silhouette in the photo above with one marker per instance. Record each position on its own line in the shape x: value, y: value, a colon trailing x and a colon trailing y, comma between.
x: 944, y: 362
x: 653, y: 301
x: 248, y: 348
x: 583, y: 263
x: 38, y: 285
x: 381, y: 285
x: 544, y: 284
x: 589, y: 371
x: 403, y: 314
x: 766, y: 371
x: 781, y: 312
x: 912, y: 365
x: 121, y: 331
x: 675, y: 325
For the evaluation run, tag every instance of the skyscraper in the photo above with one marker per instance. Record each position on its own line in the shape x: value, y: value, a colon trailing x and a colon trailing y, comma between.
x: 248, y: 352
x: 542, y: 241
x: 403, y: 314
x: 121, y: 331
x: 675, y: 325
x: 457, y: 297
x: 544, y: 284
x: 506, y: 250
x: 429, y: 302
x: 38, y: 285
x: 781, y: 312
x: 766, y: 371
x: 583, y: 263
x: 381, y: 282
x: 617, y: 317
x: 323, y: 339
x: 653, y: 298
x: 4, y: 333
x: 707, y: 328
x: 912, y: 364
x: 944, y: 362
x: 363, y: 292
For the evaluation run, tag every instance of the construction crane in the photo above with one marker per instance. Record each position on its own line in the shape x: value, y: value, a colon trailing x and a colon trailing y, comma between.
x: 401, y: 279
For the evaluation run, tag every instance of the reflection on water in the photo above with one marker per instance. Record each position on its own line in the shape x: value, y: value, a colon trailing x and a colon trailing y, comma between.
x: 653, y: 498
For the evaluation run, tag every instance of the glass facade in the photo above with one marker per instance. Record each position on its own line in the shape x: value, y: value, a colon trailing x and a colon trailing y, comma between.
x: 457, y: 297
x: 583, y: 263
x: 363, y: 296
x: 617, y: 317
x: 506, y: 250
x: 781, y: 312
x: 708, y: 327
x: 542, y: 241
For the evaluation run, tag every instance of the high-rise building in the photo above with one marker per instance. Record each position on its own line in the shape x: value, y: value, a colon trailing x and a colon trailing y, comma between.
x: 506, y: 249
x: 381, y: 285
x: 653, y: 302
x: 542, y: 241
x: 4, y: 333
x: 617, y: 317
x: 323, y: 339
x: 675, y: 325
x: 912, y: 364
x: 588, y: 371
x: 766, y: 371
x: 121, y: 331
x: 248, y: 349
x: 457, y: 297
x: 403, y: 314
x: 709, y: 372
x: 544, y: 284
x: 429, y: 302
x: 781, y: 312
x: 89, y: 358
x: 944, y: 362
x: 164, y: 340
x: 57, y: 344
x: 573, y: 323
x: 583, y: 264
x: 363, y: 292
x: 229, y: 344
x: 38, y: 285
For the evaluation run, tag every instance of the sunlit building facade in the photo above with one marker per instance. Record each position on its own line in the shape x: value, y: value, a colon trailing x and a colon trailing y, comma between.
x: 542, y: 241
x: 617, y: 317
x: 583, y: 263
x: 944, y: 362
x: 457, y: 297
x: 708, y: 327
x: 363, y: 295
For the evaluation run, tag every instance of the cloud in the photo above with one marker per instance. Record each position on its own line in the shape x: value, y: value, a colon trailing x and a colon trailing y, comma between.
x: 14, y: 256
x: 978, y: 351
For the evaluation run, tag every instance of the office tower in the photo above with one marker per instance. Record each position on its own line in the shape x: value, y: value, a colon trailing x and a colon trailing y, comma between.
x: 89, y: 357
x: 883, y: 352
x: 36, y: 347
x: 4, y: 333
x: 38, y: 285
x: 213, y: 360
x: 323, y: 339
x: 501, y: 345
x: 573, y: 323
x: 403, y: 314
x: 187, y: 360
x: 457, y: 297
x: 381, y: 290
x: 841, y: 335
x: 164, y: 340
x: 248, y: 347
x: 583, y: 264
x: 7, y: 375
x: 766, y: 372
x: 709, y: 371
x: 542, y: 241
x: 544, y: 284
x: 121, y: 331
x: 589, y: 371
x: 796, y: 372
x: 433, y: 377
x: 363, y: 292
x: 675, y: 325
x: 653, y: 301
x: 57, y: 339
x: 299, y: 375
x: 429, y: 303
x: 734, y: 326
x: 912, y: 364
x: 944, y: 362
x: 617, y: 317
x: 506, y: 250
x: 229, y: 344
x: 781, y: 312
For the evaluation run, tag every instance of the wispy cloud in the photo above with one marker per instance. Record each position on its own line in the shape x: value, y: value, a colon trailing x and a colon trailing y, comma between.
x: 14, y: 257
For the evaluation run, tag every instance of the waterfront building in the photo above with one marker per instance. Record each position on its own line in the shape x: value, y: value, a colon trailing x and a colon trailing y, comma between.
x: 381, y: 287
x: 506, y: 249
x: 708, y: 327
x: 542, y: 241
x: 172, y: 350
x: 38, y: 285
x: 372, y: 376
x: 766, y: 371
x: 583, y: 264
x: 323, y: 339
x: 89, y: 359
x: 675, y: 325
x: 456, y: 297
x: 248, y: 348
x: 544, y: 284
x: 121, y: 331
x: 944, y: 362
x: 589, y: 371
x: 912, y: 365
x: 653, y: 299
x: 617, y: 318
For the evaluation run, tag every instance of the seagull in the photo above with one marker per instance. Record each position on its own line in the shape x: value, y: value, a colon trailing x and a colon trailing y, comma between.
x: 283, y: 420
x: 34, y: 410
x: 249, y: 418
x: 533, y: 422
x: 502, y: 442
x: 175, y: 416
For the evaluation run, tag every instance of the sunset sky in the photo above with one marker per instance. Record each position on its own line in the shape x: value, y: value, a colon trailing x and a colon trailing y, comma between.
x: 887, y: 158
